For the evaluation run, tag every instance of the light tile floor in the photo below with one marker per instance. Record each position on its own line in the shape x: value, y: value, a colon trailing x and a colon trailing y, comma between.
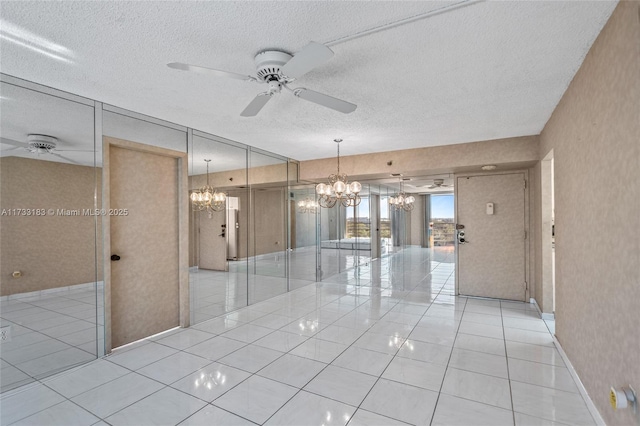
x: 388, y: 344
x: 50, y: 333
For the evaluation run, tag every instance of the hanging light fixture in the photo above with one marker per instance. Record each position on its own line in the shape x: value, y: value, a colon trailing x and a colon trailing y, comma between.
x: 339, y: 190
x: 402, y: 201
x: 307, y: 206
x: 207, y: 198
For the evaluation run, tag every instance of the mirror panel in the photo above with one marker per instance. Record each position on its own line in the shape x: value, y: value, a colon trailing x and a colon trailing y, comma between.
x: 218, y: 239
x: 269, y: 234
x: 51, y: 304
x: 304, y: 214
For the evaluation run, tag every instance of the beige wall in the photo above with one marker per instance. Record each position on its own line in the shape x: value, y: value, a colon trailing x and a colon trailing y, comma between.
x: 511, y: 152
x: 51, y: 251
x: 595, y: 135
x: 269, y: 215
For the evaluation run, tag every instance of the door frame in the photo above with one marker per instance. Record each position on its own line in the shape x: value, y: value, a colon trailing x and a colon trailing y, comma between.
x: 183, y: 227
x: 529, y: 241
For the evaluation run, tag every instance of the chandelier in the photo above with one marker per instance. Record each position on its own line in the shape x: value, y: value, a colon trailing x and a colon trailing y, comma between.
x: 402, y: 201
x: 207, y: 198
x: 339, y: 190
x: 307, y: 206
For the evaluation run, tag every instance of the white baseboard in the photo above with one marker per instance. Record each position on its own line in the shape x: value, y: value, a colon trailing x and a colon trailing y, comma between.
x: 49, y: 291
x: 544, y: 316
x: 590, y: 405
x: 583, y: 391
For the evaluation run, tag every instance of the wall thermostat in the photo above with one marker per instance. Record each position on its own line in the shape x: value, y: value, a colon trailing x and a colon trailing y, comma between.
x: 489, y: 208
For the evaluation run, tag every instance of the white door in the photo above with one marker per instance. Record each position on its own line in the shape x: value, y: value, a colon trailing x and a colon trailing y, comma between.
x: 491, y: 261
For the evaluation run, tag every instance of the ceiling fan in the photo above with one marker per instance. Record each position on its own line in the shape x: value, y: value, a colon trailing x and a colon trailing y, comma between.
x: 438, y: 183
x: 41, y: 144
x: 279, y: 69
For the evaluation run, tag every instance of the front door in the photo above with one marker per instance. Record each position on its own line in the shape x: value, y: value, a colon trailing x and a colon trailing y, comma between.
x: 144, y: 237
x: 491, y: 261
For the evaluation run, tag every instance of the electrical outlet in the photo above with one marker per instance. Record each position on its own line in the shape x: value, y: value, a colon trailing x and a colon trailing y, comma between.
x: 6, y: 334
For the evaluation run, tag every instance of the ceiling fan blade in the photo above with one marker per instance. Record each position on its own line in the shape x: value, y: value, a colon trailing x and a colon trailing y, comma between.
x: 64, y: 158
x: 210, y: 71
x: 74, y: 150
x: 256, y: 105
x: 14, y: 143
x: 326, y: 100
x: 311, y: 56
x: 12, y: 149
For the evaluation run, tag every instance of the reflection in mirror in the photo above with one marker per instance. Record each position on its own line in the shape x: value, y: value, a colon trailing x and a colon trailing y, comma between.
x: 345, y: 237
x: 304, y: 213
x: 51, y: 303
x: 218, y: 239
x: 268, y: 237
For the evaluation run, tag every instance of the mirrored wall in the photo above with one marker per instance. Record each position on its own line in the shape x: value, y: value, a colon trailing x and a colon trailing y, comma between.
x: 51, y: 281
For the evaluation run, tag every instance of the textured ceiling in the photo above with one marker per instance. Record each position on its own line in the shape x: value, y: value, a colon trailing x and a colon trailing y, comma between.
x: 489, y: 70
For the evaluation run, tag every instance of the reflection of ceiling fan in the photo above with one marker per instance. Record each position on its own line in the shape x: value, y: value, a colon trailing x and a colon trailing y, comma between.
x: 438, y: 183
x: 41, y: 144
x: 278, y: 69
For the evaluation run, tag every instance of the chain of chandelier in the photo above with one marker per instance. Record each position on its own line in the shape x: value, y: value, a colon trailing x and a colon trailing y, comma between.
x: 207, y: 198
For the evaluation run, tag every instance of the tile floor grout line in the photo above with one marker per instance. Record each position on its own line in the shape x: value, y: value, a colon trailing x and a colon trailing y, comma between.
x: 513, y: 408
x: 444, y: 376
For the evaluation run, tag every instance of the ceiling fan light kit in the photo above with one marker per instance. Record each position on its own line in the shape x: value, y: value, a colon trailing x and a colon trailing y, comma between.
x: 278, y: 69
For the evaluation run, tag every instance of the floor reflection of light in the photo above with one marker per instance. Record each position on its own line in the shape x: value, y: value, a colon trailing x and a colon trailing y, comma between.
x: 210, y: 380
x: 396, y: 341
x: 310, y: 325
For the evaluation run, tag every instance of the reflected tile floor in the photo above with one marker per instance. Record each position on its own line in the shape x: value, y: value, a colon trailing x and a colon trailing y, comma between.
x: 399, y: 350
x: 51, y: 332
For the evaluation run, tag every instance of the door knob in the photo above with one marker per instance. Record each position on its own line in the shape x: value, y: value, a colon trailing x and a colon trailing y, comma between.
x: 115, y: 257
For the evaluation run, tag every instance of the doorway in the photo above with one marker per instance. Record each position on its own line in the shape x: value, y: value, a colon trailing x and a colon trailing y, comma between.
x: 491, y: 247
x: 146, y: 284
x: 546, y: 297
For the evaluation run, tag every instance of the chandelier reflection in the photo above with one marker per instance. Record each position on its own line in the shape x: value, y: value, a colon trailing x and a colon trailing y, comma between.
x: 402, y: 201
x: 207, y: 198
x: 210, y: 380
x: 307, y: 206
x: 339, y: 190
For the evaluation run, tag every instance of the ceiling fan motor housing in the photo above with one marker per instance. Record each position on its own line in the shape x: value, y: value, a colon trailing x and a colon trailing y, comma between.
x: 41, y: 143
x: 269, y: 63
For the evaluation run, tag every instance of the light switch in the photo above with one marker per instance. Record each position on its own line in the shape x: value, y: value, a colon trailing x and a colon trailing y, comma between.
x: 489, y: 208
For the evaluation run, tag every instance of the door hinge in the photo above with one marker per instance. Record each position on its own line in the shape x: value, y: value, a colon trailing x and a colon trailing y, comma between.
x: 524, y: 184
x: 525, y: 234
